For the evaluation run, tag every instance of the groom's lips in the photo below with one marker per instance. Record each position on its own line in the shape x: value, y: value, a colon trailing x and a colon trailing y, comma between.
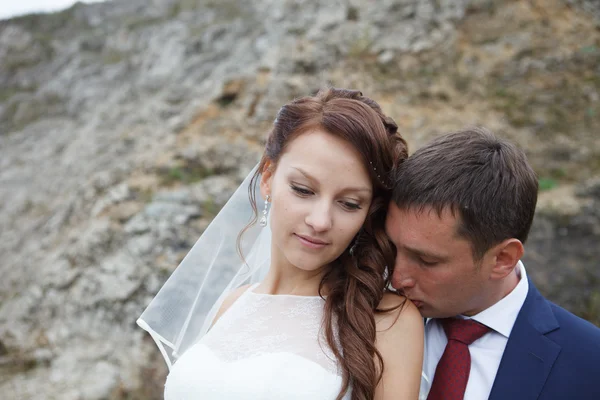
x: 417, y: 303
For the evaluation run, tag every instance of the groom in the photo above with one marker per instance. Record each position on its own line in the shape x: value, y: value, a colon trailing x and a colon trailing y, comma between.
x: 461, y: 210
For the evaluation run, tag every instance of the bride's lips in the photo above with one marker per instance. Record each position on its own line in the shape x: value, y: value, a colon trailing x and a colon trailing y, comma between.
x: 311, y: 242
x: 417, y: 303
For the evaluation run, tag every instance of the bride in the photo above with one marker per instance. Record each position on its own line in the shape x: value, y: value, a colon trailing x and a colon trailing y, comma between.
x: 297, y: 307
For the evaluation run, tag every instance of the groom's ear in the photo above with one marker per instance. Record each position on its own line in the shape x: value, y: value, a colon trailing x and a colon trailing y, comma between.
x: 265, y: 179
x: 506, y: 256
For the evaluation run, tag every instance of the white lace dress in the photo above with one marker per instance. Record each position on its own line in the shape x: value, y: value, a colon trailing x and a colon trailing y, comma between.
x: 264, y: 347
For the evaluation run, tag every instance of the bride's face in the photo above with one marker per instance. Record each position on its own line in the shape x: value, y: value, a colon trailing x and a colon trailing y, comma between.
x: 320, y: 195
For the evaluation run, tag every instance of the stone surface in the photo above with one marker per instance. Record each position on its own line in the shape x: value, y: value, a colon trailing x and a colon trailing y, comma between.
x: 126, y: 125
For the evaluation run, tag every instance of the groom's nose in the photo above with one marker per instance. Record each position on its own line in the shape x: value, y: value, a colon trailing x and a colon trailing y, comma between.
x: 401, y: 278
x: 401, y: 282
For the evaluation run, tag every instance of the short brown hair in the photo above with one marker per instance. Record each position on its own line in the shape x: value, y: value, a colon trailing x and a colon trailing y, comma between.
x: 487, y: 181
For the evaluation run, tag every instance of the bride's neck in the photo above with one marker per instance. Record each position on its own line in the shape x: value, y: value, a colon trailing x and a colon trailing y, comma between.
x: 292, y: 280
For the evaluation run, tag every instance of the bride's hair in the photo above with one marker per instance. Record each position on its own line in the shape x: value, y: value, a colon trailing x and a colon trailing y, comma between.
x: 355, y: 284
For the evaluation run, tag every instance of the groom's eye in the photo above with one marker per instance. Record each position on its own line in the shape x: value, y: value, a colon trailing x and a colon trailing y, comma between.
x: 427, y: 263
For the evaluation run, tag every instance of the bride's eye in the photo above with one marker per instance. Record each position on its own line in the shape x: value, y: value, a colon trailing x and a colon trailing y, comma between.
x: 301, y: 191
x: 350, y: 206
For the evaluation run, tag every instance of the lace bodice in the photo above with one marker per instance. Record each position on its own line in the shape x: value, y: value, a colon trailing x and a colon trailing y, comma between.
x: 264, y: 347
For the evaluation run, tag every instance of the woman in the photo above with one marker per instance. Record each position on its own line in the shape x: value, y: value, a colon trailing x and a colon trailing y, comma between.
x: 319, y: 324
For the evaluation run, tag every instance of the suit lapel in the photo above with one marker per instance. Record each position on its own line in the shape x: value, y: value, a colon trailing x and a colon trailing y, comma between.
x: 529, y: 354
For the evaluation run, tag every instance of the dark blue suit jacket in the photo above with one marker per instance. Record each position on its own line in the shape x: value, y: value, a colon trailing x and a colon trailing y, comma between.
x: 551, y: 355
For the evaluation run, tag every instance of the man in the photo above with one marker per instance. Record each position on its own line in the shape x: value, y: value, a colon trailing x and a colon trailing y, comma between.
x: 461, y: 210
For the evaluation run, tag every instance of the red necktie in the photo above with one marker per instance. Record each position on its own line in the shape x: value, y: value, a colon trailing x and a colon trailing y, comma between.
x: 452, y: 372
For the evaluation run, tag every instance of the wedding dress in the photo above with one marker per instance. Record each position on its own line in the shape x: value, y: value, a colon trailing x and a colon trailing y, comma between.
x: 263, y: 347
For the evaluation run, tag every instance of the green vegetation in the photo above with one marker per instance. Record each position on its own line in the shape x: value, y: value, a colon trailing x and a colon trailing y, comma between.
x: 112, y: 57
x: 183, y: 174
x: 547, y: 184
x: 210, y: 207
x: 7, y: 92
x: 589, y: 49
x: 57, y: 25
x: 592, y: 313
x: 361, y: 46
x: 144, y: 196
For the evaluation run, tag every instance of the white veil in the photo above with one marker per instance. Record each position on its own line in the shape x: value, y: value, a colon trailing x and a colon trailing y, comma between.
x: 184, y: 308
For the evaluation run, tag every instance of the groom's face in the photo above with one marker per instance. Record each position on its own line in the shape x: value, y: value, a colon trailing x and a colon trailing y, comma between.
x: 434, y: 266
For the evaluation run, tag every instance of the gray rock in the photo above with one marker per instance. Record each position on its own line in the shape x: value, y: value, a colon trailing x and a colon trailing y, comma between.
x: 164, y: 210
x: 102, y: 96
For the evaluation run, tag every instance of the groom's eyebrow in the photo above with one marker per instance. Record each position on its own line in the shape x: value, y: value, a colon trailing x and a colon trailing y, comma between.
x: 426, y: 254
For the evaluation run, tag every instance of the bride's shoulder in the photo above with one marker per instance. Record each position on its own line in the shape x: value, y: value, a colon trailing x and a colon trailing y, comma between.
x: 399, y: 340
x: 229, y: 300
x: 396, y: 312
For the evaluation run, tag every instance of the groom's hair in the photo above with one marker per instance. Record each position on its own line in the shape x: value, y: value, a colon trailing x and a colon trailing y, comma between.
x: 485, y: 181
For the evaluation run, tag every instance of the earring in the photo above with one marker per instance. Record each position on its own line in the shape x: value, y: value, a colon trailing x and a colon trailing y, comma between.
x: 353, y: 247
x: 263, y: 219
x: 351, y: 251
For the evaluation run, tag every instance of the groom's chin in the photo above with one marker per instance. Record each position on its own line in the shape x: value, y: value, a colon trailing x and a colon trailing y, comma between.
x: 428, y: 312
x: 423, y: 309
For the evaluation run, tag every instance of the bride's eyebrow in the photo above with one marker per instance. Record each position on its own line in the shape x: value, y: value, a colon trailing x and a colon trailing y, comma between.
x: 306, y: 174
x: 346, y: 190
x: 355, y: 189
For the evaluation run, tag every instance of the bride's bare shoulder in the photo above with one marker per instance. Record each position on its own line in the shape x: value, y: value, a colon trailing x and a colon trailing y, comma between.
x: 396, y: 310
x: 400, y: 343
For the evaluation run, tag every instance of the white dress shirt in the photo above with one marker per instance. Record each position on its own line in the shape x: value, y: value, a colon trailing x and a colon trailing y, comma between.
x: 487, y: 351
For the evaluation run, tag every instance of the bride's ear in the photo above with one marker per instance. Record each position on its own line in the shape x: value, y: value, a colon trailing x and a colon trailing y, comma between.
x: 265, y: 179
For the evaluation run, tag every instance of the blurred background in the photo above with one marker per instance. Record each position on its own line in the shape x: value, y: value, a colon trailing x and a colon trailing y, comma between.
x: 125, y: 126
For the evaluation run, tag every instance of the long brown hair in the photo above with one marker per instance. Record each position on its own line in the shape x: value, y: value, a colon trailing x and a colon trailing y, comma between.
x: 355, y: 283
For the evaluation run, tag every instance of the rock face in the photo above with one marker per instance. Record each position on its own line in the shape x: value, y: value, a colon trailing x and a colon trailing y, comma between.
x: 126, y: 125
x: 564, y: 248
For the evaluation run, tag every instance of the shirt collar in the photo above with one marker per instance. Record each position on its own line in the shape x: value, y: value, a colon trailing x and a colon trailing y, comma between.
x: 502, y: 316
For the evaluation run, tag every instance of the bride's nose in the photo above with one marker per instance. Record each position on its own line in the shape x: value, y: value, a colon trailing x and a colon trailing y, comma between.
x: 320, y: 218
